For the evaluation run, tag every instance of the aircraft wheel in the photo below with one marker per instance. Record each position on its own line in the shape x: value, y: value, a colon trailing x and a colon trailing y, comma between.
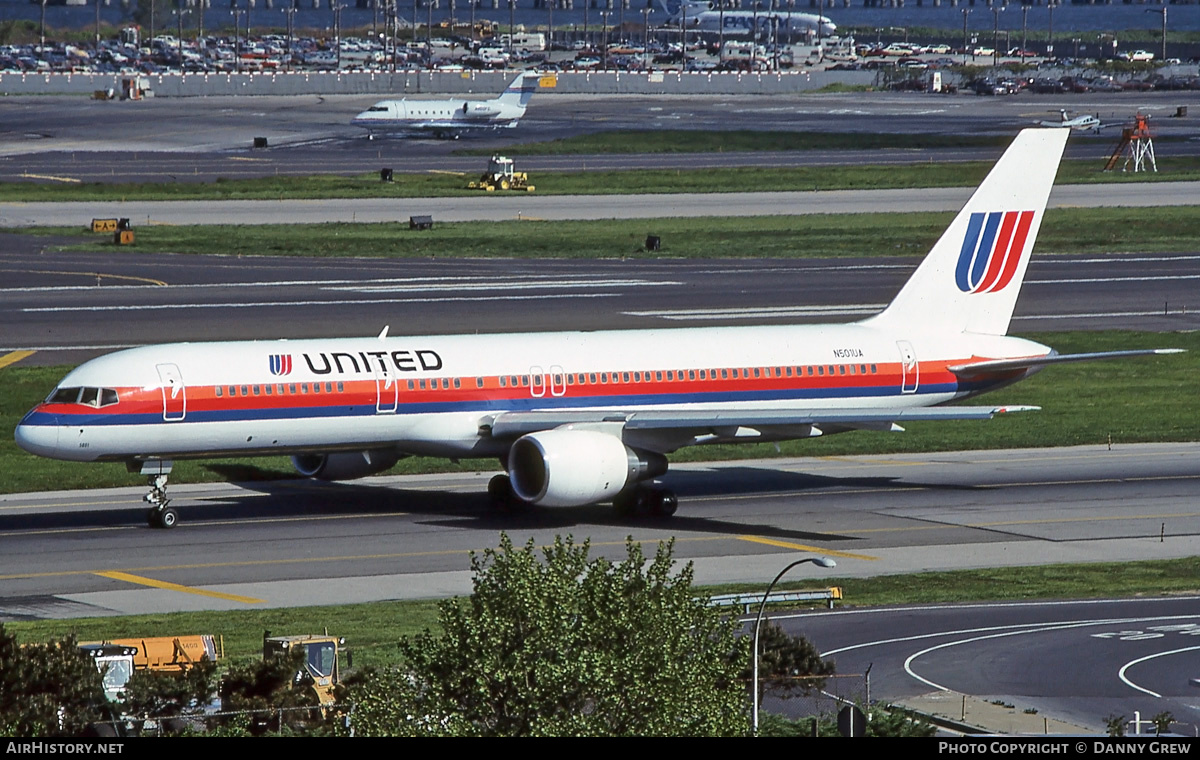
x: 168, y: 518
x: 625, y: 504
x: 152, y: 518
x: 664, y: 503
x: 500, y: 491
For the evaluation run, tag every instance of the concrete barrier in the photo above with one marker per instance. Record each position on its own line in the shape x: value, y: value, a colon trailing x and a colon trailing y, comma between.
x: 414, y: 82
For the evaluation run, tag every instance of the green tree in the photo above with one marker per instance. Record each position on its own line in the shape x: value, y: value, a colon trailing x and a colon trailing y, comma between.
x: 788, y: 665
x: 277, y: 692
x: 154, y: 694
x: 48, y: 689
x: 892, y: 721
x: 566, y: 645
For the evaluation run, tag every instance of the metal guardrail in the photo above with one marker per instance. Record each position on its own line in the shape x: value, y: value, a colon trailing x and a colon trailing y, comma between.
x: 747, y: 601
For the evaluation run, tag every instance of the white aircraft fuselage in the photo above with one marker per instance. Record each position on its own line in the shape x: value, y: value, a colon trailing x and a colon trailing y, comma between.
x: 702, y: 17
x: 449, y: 116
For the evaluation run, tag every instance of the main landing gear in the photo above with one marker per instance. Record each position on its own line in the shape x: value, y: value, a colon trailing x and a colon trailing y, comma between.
x: 638, y: 501
x: 643, y: 500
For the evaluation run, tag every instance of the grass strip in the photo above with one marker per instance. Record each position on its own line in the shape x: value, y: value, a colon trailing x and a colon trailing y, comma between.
x: 1126, y: 401
x: 449, y: 184
x: 373, y: 630
x: 1071, y: 230
x: 641, y: 141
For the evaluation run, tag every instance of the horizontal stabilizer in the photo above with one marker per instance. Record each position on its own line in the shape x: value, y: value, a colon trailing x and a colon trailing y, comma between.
x: 512, y: 424
x: 1003, y: 365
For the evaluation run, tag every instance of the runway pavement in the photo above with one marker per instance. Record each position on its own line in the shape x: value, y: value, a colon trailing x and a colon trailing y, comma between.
x: 566, y: 207
x: 71, y: 306
x: 298, y: 543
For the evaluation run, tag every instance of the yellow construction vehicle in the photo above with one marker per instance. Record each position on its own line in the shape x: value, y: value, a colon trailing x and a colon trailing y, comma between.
x: 117, y: 659
x: 322, y: 661
x: 500, y: 176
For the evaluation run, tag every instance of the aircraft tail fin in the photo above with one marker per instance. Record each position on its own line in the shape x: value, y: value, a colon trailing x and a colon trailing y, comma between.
x: 520, y: 90
x: 970, y: 280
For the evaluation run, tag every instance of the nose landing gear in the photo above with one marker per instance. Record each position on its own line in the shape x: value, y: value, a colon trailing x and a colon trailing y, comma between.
x: 160, y: 514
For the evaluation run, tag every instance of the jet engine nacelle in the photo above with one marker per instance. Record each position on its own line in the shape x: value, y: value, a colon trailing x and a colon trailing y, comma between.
x: 344, y: 466
x: 480, y: 110
x: 571, y: 468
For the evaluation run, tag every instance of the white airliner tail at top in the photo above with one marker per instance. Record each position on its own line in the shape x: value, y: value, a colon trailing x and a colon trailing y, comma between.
x: 579, y: 418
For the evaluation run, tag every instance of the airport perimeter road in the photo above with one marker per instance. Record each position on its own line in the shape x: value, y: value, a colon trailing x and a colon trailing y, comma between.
x: 297, y: 543
x: 72, y: 306
x: 1078, y: 661
x: 566, y: 207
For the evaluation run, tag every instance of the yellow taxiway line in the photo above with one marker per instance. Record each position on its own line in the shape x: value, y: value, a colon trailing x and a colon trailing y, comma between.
x: 141, y: 581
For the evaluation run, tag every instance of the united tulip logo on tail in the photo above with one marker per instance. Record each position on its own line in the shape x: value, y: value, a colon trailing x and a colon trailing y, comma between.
x: 281, y: 364
x: 991, y: 250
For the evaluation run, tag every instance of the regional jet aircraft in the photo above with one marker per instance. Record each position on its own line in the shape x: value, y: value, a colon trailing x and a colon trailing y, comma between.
x: 580, y: 417
x: 449, y: 117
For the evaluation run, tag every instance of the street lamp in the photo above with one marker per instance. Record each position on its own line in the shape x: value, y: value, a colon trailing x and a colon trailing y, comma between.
x: 1163, y: 11
x: 1050, y: 29
x: 996, y: 11
x: 604, y: 39
x: 646, y: 33
x: 819, y: 562
x: 965, y: 12
x: 237, y: 40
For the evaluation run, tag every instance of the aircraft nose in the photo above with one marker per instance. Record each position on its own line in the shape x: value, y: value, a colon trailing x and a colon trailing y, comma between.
x: 37, y: 433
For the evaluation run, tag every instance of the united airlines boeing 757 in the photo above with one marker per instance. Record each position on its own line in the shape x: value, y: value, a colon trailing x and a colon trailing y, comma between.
x: 580, y: 417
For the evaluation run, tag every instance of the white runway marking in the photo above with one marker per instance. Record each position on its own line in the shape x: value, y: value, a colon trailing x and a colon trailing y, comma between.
x: 270, y: 304
x: 1131, y: 663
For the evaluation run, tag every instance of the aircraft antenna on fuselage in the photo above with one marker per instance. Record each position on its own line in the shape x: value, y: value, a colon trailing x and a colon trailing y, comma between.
x: 970, y: 280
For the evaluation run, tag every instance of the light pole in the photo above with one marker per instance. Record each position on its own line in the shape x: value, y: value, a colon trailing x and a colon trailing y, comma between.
x: 291, y: 22
x: 646, y: 33
x: 1024, y: 30
x: 819, y: 562
x: 604, y: 39
x: 512, y: 25
x: 1050, y: 29
x: 179, y: 11
x: 1163, y: 11
x: 965, y: 12
x: 996, y: 11
x: 237, y: 41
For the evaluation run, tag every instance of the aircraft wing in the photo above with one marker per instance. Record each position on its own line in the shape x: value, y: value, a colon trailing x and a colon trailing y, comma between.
x: 1004, y: 365
x: 675, y: 427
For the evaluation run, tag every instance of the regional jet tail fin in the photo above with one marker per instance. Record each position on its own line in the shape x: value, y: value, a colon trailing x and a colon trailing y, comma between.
x: 970, y: 280
x: 520, y: 90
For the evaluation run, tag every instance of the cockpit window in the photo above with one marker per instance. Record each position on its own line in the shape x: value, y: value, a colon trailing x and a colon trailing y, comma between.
x: 376, y: 109
x: 93, y: 397
x: 64, y: 396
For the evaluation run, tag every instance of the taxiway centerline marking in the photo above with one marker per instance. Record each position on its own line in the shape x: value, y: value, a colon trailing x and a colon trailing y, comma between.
x: 804, y: 548
x: 141, y: 581
x: 14, y: 356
